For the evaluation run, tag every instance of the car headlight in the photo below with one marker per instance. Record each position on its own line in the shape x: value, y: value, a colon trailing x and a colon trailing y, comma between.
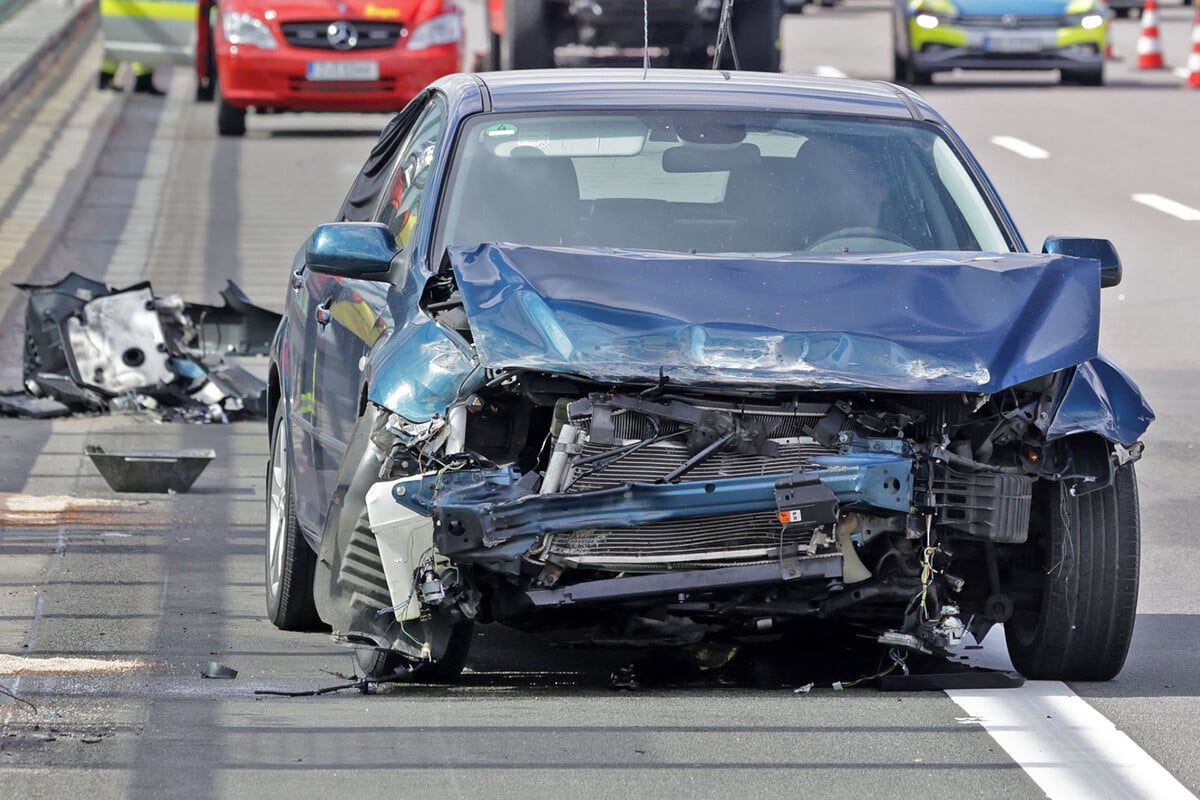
x: 245, y: 29
x: 1086, y: 21
x: 930, y: 14
x: 1086, y: 14
x: 445, y: 29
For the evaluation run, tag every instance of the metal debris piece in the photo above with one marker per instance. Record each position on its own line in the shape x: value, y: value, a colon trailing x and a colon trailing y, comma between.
x: 93, y: 348
x: 218, y: 670
x: 158, y: 471
x: 116, y: 344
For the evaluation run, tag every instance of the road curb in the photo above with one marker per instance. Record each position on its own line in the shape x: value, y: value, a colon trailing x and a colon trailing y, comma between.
x: 27, y: 67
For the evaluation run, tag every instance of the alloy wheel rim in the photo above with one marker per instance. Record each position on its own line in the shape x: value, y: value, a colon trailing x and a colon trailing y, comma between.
x: 277, y: 516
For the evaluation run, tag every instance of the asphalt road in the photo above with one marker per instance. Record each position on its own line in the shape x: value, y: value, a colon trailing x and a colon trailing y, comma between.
x: 127, y: 188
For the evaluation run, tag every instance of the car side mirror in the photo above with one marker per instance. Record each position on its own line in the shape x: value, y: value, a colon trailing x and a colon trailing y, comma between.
x: 1101, y: 250
x: 362, y: 250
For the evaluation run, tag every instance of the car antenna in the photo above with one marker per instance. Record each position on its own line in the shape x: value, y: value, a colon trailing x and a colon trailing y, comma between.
x: 725, y: 34
x: 645, y: 38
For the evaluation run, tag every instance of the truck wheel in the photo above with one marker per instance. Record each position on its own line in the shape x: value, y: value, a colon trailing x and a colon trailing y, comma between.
x: 756, y: 34
x: 527, y: 43
x: 1085, y: 550
x: 375, y: 663
x: 290, y: 561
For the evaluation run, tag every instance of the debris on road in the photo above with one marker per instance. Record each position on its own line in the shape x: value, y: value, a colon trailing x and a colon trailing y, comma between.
x: 218, y: 670
x: 90, y: 348
x: 158, y: 471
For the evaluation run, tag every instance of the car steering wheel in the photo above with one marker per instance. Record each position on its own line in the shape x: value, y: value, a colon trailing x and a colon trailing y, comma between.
x: 860, y: 232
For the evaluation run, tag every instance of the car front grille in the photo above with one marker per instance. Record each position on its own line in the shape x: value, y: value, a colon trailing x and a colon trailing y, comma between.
x: 1011, y: 21
x: 651, y: 463
x: 711, y: 541
x: 678, y: 544
x: 369, y: 35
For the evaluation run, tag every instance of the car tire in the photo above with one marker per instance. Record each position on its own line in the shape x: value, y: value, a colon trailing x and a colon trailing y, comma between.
x: 756, y: 33
x: 1122, y: 13
x: 290, y: 562
x: 899, y: 68
x: 526, y: 43
x: 231, y: 121
x: 916, y: 77
x: 388, y: 664
x: 1091, y: 77
x: 1086, y: 549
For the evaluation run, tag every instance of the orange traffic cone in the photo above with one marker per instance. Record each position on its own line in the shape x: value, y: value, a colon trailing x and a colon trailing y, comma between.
x: 1193, y: 62
x: 1148, y: 47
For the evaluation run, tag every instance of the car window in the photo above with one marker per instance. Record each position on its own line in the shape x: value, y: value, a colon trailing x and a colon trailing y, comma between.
x: 363, y: 197
x: 401, y: 208
x: 967, y: 200
x: 714, y: 181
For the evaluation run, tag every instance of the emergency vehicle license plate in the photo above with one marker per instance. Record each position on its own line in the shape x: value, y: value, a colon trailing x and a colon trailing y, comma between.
x: 343, y: 70
x: 1012, y: 44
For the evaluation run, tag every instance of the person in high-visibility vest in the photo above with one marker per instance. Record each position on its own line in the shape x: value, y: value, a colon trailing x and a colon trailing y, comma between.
x: 143, y: 77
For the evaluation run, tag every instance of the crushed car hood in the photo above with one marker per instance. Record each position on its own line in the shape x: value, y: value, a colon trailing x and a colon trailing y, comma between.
x: 947, y: 322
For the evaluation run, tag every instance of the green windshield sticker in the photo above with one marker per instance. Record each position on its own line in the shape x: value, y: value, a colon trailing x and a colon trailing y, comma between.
x: 501, y: 129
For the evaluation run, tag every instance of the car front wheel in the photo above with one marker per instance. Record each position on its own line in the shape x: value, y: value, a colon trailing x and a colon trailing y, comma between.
x: 1085, y: 550
x: 388, y: 664
x: 289, y: 560
x: 231, y: 121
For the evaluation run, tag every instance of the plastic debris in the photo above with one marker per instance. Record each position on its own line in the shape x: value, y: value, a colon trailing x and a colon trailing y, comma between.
x: 218, y: 670
x: 91, y: 348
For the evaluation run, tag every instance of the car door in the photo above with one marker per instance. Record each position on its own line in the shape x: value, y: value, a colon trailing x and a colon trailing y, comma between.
x: 316, y: 375
x: 351, y: 315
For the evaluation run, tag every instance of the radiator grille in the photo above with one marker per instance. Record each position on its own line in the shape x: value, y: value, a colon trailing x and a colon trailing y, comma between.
x: 651, y: 463
x: 710, y: 541
x: 369, y: 35
x: 1010, y: 21
x: 631, y: 425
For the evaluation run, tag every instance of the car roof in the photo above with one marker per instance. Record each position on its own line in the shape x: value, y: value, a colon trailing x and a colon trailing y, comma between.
x: 533, y: 90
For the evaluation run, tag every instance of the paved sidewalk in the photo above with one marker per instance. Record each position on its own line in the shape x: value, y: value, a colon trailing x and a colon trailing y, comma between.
x: 34, y: 33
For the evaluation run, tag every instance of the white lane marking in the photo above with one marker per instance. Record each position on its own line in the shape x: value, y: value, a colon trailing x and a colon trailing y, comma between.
x: 1182, y: 72
x: 828, y: 72
x: 1020, y: 147
x: 1167, y: 206
x: 1067, y: 747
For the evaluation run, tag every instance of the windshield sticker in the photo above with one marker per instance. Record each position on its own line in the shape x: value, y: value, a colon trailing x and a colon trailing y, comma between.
x: 501, y: 129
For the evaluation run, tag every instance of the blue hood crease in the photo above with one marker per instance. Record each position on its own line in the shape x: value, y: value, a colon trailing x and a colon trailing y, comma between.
x: 924, y: 321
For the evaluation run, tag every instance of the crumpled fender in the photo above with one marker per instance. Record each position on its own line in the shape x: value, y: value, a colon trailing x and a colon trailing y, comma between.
x: 1100, y: 398
x: 421, y: 370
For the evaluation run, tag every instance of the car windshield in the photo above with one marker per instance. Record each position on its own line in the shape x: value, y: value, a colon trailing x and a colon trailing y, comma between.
x: 714, y: 182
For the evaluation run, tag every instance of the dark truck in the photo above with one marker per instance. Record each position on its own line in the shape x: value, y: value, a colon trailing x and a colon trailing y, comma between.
x: 523, y: 34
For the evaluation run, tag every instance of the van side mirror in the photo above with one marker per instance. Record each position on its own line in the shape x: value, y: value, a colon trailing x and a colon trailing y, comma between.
x: 362, y: 250
x: 1101, y: 250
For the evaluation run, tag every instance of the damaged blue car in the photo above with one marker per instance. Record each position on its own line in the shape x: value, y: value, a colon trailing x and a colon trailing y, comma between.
x: 692, y: 359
